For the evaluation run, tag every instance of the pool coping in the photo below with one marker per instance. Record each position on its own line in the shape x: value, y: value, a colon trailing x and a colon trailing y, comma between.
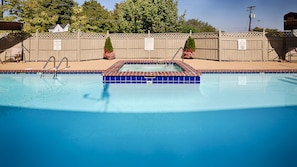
x: 204, y: 71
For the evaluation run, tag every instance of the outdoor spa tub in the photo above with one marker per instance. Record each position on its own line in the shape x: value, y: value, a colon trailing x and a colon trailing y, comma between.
x: 151, y: 72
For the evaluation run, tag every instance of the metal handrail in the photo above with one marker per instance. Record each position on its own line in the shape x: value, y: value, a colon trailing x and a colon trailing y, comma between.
x: 57, y: 67
x: 48, y: 60
x: 170, y: 61
x: 61, y: 61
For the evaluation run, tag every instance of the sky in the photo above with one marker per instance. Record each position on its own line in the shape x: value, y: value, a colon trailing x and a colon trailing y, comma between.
x: 230, y: 15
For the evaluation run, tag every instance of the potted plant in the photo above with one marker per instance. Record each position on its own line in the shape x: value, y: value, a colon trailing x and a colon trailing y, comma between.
x: 108, y: 50
x: 189, y: 48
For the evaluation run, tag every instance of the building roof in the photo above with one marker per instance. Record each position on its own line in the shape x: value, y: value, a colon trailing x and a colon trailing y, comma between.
x: 61, y: 25
x: 59, y: 28
x: 4, y: 25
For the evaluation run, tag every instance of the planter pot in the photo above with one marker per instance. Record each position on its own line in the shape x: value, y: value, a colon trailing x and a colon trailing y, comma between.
x: 188, y: 55
x: 109, y: 56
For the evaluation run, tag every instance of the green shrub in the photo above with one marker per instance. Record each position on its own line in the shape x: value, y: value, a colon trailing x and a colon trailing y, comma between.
x: 108, y: 46
x: 190, y: 45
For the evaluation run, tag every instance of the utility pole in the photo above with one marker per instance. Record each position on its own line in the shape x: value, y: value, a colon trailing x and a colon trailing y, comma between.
x: 2, y: 10
x: 251, y: 16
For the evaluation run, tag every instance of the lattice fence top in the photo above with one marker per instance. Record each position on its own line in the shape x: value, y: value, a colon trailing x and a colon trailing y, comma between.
x: 49, y: 35
x: 114, y: 36
x: 127, y: 35
x: 153, y: 35
x: 75, y: 35
x: 3, y: 34
x: 68, y: 35
x: 282, y: 34
x: 206, y: 35
x: 170, y: 35
x: 242, y: 34
x: 92, y: 35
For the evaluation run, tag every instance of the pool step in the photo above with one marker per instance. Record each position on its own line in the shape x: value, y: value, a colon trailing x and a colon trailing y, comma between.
x: 48, y: 74
x: 290, y: 79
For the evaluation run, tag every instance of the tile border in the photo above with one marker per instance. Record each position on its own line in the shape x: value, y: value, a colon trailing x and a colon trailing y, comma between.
x: 51, y: 71
x: 234, y: 71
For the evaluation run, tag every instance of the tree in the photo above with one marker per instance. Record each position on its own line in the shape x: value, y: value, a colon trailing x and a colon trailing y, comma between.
x: 258, y: 29
x: 40, y: 14
x: 108, y: 50
x: 95, y: 17
x: 189, y: 48
x: 64, y: 9
x: 138, y: 16
x: 36, y: 16
x: 92, y: 17
x: 197, y: 26
x: 108, y: 46
x: 78, y: 19
x: 190, y: 45
x: 14, y: 9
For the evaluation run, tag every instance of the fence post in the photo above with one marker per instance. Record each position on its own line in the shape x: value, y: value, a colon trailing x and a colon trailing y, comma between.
x: 149, y: 52
x: 37, y: 46
x: 166, y: 50
x: 107, y: 34
x: 220, y: 45
x: 78, y: 52
x: 127, y: 49
x: 264, y: 57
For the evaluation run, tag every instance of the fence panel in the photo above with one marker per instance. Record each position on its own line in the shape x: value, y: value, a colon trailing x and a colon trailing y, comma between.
x: 260, y: 46
x: 207, y: 48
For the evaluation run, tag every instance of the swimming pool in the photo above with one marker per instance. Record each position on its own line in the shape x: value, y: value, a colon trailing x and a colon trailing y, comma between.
x: 75, y: 120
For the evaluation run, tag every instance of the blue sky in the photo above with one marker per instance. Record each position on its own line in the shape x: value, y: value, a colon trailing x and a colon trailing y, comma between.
x: 230, y: 15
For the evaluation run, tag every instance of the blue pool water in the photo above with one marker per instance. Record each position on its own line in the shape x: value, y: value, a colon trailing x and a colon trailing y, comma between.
x: 227, y: 120
x: 150, y: 68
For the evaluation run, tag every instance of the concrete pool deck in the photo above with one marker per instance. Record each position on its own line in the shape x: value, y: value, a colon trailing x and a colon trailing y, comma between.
x: 203, y: 65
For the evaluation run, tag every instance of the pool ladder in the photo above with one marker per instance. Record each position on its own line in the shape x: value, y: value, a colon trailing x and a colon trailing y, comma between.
x: 171, y: 60
x: 55, y: 68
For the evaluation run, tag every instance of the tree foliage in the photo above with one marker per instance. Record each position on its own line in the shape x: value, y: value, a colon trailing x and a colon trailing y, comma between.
x: 108, y: 50
x: 197, y: 26
x: 14, y: 8
x: 36, y: 16
x: 64, y: 9
x: 138, y: 16
x: 190, y: 45
x: 266, y: 30
x: 108, y: 46
x: 77, y: 19
x: 129, y: 16
x: 93, y: 17
x: 40, y: 14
